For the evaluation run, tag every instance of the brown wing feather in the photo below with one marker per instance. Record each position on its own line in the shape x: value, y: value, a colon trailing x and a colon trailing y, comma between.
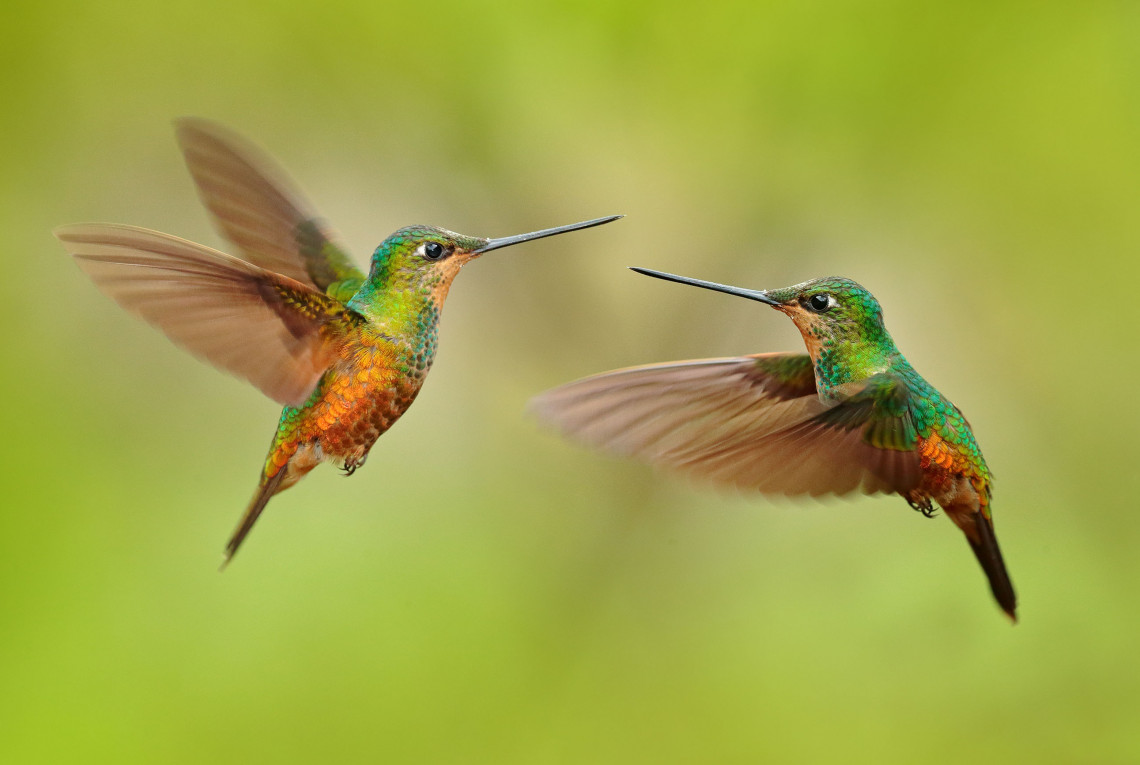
x: 666, y: 410
x: 812, y: 456
x: 263, y: 327
x: 754, y: 422
x: 258, y: 208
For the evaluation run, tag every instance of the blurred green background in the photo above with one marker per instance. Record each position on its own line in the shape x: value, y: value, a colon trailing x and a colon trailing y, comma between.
x: 483, y: 591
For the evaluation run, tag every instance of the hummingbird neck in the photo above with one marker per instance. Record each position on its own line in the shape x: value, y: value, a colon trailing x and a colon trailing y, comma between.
x: 840, y: 360
x: 402, y: 306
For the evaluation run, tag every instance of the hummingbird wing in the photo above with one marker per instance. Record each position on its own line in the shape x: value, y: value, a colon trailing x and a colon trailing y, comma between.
x: 754, y: 422
x: 257, y: 207
x: 660, y: 411
x: 867, y: 442
x: 261, y: 326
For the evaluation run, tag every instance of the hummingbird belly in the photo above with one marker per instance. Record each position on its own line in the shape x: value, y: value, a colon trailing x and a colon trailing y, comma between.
x: 363, y: 393
x: 948, y: 477
x: 361, y: 400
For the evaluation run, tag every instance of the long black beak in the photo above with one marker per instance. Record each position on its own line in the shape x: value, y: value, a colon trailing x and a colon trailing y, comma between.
x: 507, y: 241
x: 760, y: 295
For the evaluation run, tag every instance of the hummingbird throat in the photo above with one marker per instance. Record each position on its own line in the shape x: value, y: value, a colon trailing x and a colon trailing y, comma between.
x: 843, y: 354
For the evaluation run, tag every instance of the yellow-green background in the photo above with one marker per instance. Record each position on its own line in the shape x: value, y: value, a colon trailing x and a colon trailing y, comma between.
x: 482, y: 591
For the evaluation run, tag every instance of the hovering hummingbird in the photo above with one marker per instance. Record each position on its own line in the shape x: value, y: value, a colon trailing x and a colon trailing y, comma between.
x: 851, y: 414
x: 344, y: 352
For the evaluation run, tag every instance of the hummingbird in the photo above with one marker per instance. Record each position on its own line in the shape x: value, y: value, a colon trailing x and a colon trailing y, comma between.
x: 345, y: 352
x: 850, y: 414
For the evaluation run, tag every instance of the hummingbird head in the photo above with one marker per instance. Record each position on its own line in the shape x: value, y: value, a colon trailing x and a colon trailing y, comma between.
x: 412, y: 271
x: 425, y: 259
x: 421, y: 259
x: 841, y: 323
x: 831, y: 311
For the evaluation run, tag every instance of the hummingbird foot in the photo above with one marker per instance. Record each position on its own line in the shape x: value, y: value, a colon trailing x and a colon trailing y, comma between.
x: 352, y: 463
x: 922, y: 504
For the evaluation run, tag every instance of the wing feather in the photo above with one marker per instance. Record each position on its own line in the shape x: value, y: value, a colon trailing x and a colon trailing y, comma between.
x: 652, y: 411
x: 269, y: 329
x: 257, y: 207
x: 753, y: 422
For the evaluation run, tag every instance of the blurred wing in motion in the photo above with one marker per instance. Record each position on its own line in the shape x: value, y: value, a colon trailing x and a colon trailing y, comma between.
x: 257, y: 207
x: 266, y: 328
x: 754, y: 422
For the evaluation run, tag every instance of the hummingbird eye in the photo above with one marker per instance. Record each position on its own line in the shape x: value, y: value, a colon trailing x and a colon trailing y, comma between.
x: 821, y: 302
x: 433, y: 250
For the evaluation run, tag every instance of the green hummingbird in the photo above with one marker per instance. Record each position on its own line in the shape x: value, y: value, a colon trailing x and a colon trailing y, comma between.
x: 850, y: 414
x: 345, y: 352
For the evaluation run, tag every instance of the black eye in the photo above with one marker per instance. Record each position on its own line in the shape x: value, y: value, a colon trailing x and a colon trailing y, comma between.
x: 820, y: 302
x: 433, y: 250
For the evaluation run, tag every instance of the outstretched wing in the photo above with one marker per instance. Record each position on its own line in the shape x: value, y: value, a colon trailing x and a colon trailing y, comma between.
x: 754, y: 422
x: 257, y: 207
x: 266, y: 328
x: 659, y: 411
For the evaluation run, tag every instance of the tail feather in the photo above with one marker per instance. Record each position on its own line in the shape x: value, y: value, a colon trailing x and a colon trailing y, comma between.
x: 985, y: 547
x: 265, y: 490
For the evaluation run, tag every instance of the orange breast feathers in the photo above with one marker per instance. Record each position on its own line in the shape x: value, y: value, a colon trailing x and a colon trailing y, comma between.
x: 936, y: 453
x: 352, y: 390
x: 357, y: 392
x: 948, y: 475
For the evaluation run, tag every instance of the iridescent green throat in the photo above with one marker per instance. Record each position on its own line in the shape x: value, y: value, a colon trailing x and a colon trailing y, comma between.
x: 846, y: 355
x: 400, y: 297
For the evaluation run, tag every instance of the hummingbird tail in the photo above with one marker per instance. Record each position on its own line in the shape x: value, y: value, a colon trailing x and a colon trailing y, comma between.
x: 985, y: 547
x: 265, y: 490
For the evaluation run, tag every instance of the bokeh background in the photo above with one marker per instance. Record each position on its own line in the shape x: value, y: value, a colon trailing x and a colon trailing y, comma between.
x: 483, y: 591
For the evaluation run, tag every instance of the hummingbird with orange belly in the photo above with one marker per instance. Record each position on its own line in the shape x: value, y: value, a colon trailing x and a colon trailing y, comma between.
x: 345, y: 352
x: 849, y: 415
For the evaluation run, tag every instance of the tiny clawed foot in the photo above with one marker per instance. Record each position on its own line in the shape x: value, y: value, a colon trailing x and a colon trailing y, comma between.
x: 922, y: 505
x: 352, y: 463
